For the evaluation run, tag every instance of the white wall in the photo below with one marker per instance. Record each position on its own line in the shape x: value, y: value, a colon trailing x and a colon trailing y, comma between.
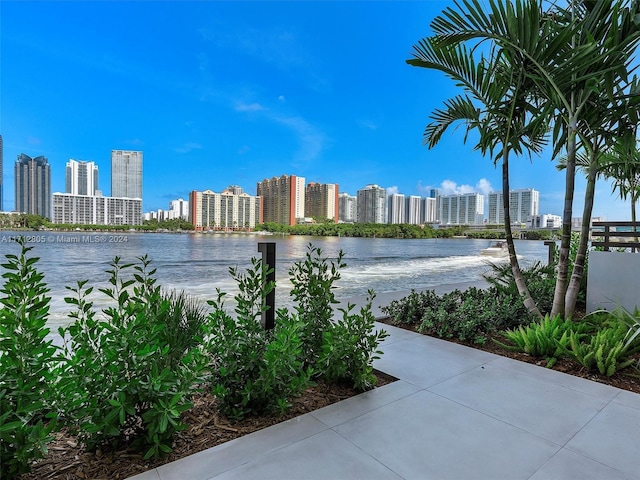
x: 613, y: 280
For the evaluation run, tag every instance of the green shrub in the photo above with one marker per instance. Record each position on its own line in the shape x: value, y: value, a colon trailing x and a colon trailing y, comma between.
x: 410, y: 309
x: 313, y: 284
x: 548, y: 338
x: 350, y: 345
x: 605, y: 351
x: 130, y: 373
x: 27, y: 364
x: 473, y: 315
x: 256, y: 371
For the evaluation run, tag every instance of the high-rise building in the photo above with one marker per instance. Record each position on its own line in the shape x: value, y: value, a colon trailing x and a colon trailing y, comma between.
x: 1, y: 176
x: 178, y: 208
x: 429, y: 212
x: 347, y: 208
x: 96, y: 210
x: 396, y: 208
x: 283, y: 199
x: 82, y: 178
x: 223, y: 211
x: 462, y: 209
x: 321, y: 201
x: 33, y: 185
x: 523, y: 203
x: 126, y: 174
x: 372, y: 201
x: 413, y: 212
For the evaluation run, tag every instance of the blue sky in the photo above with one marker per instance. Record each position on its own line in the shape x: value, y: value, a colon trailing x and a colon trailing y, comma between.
x: 219, y: 93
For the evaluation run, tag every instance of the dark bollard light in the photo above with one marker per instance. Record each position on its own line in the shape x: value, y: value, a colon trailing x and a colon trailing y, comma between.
x: 552, y: 250
x: 268, y: 250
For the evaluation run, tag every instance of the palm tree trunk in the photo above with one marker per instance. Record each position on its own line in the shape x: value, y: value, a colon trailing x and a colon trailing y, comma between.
x: 565, y: 241
x: 578, y: 265
x: 523, y: 290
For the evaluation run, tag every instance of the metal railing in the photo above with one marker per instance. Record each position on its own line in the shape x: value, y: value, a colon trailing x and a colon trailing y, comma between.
x: 610, y: 235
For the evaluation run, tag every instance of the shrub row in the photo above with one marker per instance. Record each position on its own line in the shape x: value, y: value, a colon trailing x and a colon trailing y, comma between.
x: 125, y: 374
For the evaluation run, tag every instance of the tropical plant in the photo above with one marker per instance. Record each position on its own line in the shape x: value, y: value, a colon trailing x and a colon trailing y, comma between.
x: 256, y: 371
x: 553, y: 67
x: 313, y: 282
x: 350, y: 345
x: 27, y: 365
x: 130, y: 372
x: 547, y: 338
x: 499, y: 98
x: 410, y: 309
x: 605, y: 350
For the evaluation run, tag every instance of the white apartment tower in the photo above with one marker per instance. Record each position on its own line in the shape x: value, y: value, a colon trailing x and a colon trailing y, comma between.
x: 96, y: 210
x: 178, y: 208
x: 413, y: 211
x: 347, y: 208
x: 81, y: 178
x: 462, y: 209
x: 396, y: 208
x: 523, y: 204
x: 429, y: 212
x: 371, y: 207
x: 126, y: 173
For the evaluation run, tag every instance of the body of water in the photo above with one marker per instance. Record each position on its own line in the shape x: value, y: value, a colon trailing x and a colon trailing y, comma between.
x: 199, y: 263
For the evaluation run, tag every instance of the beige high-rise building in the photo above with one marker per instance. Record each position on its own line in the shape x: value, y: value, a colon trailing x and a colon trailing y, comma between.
x: 223, y: 211
x: 283, y: 199
x: 321, y: 201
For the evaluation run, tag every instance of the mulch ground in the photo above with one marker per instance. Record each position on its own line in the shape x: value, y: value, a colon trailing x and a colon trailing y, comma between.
x: 67, y: 460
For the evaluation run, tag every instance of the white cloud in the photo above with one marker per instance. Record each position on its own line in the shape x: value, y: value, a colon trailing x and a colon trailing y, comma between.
x: 281, y: 98
x: 248, y: 107
x: 392, y: 190
x: 484, y: 186
x: 449, y: 187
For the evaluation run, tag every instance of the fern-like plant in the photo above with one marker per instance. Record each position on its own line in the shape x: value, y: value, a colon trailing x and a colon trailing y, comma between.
x: 549, y: 338
x: 606, y: 351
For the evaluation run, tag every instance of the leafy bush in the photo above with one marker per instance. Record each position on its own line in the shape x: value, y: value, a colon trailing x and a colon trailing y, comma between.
x: 548, y: 338
x: 256, y: 371
x: 313, y: 283
x: 472, y: 315
x: 129, y: 375
x: 350, y: 345
x: 410, y: 309
x: 27, y: 364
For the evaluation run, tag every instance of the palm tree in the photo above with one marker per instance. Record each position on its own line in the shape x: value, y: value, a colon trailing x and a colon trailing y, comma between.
x: 608, y: 32
x: 571, y: 55
x: 614, y: 122
x: 497, y: 104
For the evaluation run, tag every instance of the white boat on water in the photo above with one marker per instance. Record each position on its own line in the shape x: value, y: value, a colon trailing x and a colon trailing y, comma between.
x: 497, y: 249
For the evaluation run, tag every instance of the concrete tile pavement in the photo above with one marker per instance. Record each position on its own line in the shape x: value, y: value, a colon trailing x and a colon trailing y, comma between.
x: 454, y: 413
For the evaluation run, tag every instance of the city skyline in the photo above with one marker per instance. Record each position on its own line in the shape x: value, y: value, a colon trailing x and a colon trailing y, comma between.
x: 219, y: 93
